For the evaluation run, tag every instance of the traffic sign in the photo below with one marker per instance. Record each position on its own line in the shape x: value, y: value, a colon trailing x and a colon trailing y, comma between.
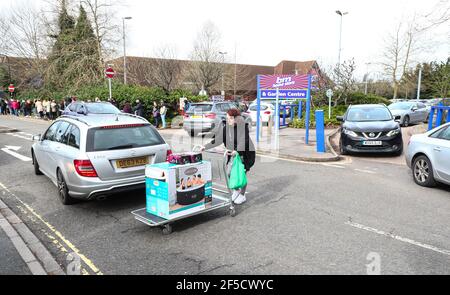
x: 110, y: 73
x: 329, y: 93
x: 11, y: 88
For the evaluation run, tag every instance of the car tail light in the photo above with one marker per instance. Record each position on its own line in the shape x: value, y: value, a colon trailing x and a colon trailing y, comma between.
x: 210, y: 116
x: 169, y: 153
x: 267, y: 113
x: 84, y: 168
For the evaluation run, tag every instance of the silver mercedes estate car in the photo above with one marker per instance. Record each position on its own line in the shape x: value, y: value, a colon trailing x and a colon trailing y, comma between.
x: 93, y: 156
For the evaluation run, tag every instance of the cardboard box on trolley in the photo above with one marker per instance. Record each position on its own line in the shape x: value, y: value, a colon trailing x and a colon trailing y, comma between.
x: 176, y: 190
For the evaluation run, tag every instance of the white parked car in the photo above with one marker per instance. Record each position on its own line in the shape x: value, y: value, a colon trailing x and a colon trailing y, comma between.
x: 267, y: 110
x: 428, y: 156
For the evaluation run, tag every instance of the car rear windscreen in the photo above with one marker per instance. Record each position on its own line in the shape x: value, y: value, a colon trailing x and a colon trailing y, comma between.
x: 200, y: 108
x: 255, y: 108
x: 112, y: 138
x: 102, y: 108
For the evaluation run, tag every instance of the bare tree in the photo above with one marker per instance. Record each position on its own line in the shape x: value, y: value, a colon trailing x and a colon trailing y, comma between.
x: 106, y: 29
x: 207, y: 66
x: 399, y: 52
x: 346, y: 82
x: 4, y: 28
x: 166, y: 69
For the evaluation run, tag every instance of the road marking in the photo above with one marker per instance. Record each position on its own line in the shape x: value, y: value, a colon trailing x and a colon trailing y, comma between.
x: 395, y: 237
x: 334, y: 166
x: 7, y: 149
x: 88, y: 262
x: 365, y: 171
x: 20, y: 136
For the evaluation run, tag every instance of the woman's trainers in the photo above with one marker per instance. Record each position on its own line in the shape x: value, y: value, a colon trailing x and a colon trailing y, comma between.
x: 234, y: 195
x: 240, y: 199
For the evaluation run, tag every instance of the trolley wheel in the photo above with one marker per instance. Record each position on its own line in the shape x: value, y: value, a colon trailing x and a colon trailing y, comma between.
x: 167, y: 229
x: 232, y: 212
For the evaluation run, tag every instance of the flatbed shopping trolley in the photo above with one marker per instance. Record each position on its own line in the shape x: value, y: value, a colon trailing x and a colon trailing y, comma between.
x: 220, y: 199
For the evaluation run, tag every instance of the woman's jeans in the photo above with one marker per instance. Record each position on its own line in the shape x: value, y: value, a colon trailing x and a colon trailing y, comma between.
x: 163, y: 120
x: 156, y: 121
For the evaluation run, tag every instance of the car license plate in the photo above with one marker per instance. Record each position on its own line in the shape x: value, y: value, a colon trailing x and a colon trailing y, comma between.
x: 196, y: 117
x: 372, y: 142
x: 132, y: 162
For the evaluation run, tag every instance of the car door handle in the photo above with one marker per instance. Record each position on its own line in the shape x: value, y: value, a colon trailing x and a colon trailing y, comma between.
x: 437, y: 149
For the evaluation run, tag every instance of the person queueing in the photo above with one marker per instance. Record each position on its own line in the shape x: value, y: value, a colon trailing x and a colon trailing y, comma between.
x: 163, y: 112
x: 236, y: 137
x: 155, y: 113
x: 127, y: 108
x: 139, y: 108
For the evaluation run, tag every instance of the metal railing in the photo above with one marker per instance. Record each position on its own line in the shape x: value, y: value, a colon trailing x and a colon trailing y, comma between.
x: 442, y: 116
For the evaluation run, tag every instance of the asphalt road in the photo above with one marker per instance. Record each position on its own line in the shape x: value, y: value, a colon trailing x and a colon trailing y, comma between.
x: 300, y: 218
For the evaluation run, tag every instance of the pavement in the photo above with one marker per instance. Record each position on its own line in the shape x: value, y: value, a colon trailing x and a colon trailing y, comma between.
x: 348, y: 217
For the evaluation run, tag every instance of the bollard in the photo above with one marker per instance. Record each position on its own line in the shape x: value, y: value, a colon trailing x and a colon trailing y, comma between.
x: 430, y: 119
x: 439, y: 115
x: 320, y: 132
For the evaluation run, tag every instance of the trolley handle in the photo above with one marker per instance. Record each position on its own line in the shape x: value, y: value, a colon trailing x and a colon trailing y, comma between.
x: 196, y: 148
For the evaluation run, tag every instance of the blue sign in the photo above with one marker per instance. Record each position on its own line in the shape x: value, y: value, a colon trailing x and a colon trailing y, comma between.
x: 284, y: 94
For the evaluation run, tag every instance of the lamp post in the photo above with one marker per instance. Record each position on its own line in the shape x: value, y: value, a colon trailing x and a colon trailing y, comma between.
x: 340, y: 36
x: 223, y: 66
x: 124, y: 51
x: 419, y: 81
x: 367, y: 76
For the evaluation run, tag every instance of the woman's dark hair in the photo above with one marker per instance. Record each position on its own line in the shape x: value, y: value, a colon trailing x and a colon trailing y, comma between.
x: 233, y: 113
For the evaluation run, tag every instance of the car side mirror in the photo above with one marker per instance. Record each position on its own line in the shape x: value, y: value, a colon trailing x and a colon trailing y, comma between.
x: 36, y: 137
x: 397, y: 118
x: 340, y: 118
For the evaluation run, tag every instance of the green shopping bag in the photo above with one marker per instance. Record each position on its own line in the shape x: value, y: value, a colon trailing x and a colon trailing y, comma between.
x: 238, y: 178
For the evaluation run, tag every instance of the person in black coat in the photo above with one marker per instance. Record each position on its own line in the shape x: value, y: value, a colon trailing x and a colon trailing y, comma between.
x: 235, y: 136
x: 139, y: 108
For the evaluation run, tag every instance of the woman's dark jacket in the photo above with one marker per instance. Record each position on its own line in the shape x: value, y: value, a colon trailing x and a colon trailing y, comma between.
x: 236, y: 138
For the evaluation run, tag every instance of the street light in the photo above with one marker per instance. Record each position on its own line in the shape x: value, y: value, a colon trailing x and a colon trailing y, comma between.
x: 340, y: 36
x: 124, y: 51
x: 367, y: 76
x: 223, y: 65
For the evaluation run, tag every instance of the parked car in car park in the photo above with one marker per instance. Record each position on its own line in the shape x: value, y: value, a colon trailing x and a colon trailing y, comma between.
x: 410, y: 112
x: 428, y: 156
x: 208, y: 117
x: 92, y: 156
x: 267, y: 110
x: 80, y: 108
x: 370, y: 128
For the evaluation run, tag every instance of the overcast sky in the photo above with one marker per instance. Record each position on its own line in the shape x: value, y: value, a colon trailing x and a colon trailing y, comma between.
x: 266, y: 32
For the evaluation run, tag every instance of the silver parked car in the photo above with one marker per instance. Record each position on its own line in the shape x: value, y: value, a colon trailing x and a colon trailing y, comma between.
x: 209, y: 116
x: 410, y: 112
x: 92, y: 156
x: 428, y: 156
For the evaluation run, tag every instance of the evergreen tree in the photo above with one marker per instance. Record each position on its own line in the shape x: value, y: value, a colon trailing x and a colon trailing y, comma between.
x: 62, y: 54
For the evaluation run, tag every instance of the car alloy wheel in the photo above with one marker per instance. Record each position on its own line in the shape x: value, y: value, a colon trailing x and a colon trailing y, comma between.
x: 423, y: 172
x: 406, y: 121
x: 63, y: 191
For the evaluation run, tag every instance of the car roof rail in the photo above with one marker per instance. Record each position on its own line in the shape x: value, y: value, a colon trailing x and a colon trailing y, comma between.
x: 75, y: 118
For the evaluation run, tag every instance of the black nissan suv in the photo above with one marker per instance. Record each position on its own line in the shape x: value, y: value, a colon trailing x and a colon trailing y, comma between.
x: 370, y: 128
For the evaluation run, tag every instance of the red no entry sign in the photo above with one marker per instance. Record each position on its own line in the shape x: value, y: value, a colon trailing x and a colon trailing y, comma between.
x: 109, y: 72
x: 11, y: 88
